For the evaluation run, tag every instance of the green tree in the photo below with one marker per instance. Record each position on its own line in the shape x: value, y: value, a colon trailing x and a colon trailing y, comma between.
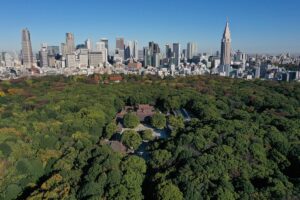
x: 147, y: 135
x: 173, y: 102
x: 158, y: 120
x: 168, y: 191
x: 12, y: 192
x: 160, y: 158
x: 135, y: 163
x: 176, y: 123
x: 131, y: 139
x: 131, y: 120
x: 110, y: 129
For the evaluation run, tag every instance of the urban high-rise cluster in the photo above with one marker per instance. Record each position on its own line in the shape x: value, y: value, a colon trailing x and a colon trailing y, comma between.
x: 129, y: 58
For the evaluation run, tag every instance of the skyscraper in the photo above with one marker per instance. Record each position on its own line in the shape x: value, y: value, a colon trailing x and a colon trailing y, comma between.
x: 89, y: 45
x: 147, y: 57
x: 135, y: 50
x: 105, y: 40
x: 63, y: 48
x: 120, y: 43
x: 226, y: 46
x: 44, y: 56
x: 101, y: 47
x: 242, y: 58
x: 176, y: 51
x: 53, y: 50
x: 168, y: 51
x: 27, y: 55
x: 191, y: 50
x: 127, y: 51
x: 154, y: 48
x: 70, y: 43
x: 120, y: 48
x: 131, y: 50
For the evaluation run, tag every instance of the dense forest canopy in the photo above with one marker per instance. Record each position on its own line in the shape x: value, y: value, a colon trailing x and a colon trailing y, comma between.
x: 243, y: 141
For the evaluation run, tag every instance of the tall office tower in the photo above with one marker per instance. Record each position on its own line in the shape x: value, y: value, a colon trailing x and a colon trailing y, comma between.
x: 154, y: 48
x: 120, y: 43
x: 226, y: 46
x: 120, y: 48
x: 241, y: 57
x: 53, y: 50
x: 70, y: 43
x: 83, y: 58
x: 2, y: 62
x: 156, y: 60
x: 191, y: 50
x: 168, y: 51
x: 176, y: 51
x: 140, y: 54
x: 135, y: 50
x: 6, y: 59
x: 147, y: 57
x: 89, y: 45
x: 27, y: 55
x: 101, y: 47
x: 44, y: 56
x: 184, y: 54
x: 105, y: 40
x: 131, y: 50
x: 63, y: 48
x: 71, y: 60
x: 127, y: 51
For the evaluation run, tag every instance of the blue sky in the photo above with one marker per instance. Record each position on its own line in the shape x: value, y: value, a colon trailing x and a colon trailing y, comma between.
x: 257, y: 26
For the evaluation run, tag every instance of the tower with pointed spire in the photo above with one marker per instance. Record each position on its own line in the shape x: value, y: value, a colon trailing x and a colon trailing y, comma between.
x: 226, y: 46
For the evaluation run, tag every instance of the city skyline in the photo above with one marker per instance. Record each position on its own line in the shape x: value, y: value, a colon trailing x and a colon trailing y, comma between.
x: 263, y: 31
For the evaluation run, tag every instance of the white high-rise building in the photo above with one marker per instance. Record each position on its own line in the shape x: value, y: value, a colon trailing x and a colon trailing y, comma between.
x: 242, y: 58
x: 82, y: 58
x: 106, y: 44
x: 156, y: 60
x: 191, y: 50
x: 101, y: 47
x: 63, y: 48
x: 71, y: 60
x: 44, y: 55
x: 135, y: 50
x: 2, y: 61
x: 89, y: 45
x: 8, y: 60
x: 97, y: 59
